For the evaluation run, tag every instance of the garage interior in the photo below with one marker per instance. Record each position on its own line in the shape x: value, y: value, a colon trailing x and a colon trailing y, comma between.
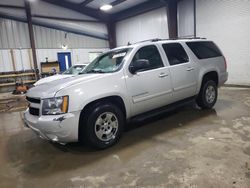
x: 187, y: 147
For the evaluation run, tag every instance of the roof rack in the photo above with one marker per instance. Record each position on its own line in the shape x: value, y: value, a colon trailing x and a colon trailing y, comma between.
x: 149, y: 40
x: 157, y: 39
x: 180, y: 38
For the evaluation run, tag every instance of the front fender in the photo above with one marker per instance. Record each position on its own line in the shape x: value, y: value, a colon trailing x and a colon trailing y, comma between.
x: 82, y: 94
x: 105, y: 95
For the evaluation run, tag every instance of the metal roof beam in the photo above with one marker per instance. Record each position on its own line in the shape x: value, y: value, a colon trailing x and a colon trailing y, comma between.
x: 138, y: 9
x: 117, y: 2
x: 84, y: 3
x: 57, y: 27
x: 12, y: 6
x: 81, y: 9
x: 65, y: 19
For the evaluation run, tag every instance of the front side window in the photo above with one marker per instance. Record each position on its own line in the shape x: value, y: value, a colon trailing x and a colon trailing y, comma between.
x: 151, y: 54
x: 108, y: 62
x: 175, y: 53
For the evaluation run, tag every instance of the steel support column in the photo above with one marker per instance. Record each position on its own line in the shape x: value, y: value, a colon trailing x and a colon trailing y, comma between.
x: 111, y: 34
x: 194, y: 18
x: 31, y: 35
x: 172, y: 18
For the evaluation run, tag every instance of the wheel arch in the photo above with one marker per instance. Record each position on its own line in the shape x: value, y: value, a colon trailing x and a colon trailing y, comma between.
x: 114, y: 99
x: 209, y: 75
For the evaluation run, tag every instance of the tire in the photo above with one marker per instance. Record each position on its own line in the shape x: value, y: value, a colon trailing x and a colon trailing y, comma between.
x: 208, y: 95
x: 103, y: 125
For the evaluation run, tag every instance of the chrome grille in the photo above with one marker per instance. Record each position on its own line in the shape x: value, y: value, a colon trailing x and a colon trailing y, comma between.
x: 33, y: 100
x: 34, y: 111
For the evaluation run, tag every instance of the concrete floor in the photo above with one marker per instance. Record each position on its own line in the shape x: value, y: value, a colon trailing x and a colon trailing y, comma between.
x: 187, y: 148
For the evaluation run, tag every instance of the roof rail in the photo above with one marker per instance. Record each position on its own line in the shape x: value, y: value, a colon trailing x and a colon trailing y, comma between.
x: 179, y: 38
x: 157, y: 39
x: 149, y: 40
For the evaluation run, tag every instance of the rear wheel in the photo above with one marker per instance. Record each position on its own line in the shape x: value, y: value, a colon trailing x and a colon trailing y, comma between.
x: 102, y: 126
x: 208, y: 95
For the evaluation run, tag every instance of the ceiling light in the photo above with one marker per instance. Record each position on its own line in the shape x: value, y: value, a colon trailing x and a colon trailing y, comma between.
x: 106, y: 7
x: 64, y: 47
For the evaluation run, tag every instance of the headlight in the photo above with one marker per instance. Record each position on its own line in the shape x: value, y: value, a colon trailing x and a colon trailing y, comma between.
x: 54, y: 106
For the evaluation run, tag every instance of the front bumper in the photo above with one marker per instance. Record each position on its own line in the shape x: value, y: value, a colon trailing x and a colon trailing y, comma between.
x: 57, y: 128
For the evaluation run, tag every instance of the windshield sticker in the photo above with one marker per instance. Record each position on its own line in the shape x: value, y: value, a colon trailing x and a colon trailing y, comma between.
x: 119, y: 55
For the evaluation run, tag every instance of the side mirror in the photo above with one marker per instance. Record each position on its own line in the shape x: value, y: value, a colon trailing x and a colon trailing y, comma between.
x: 139, y: 65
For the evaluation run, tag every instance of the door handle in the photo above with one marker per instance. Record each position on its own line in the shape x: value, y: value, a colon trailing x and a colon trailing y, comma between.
x: 190, y: 68
x: 162, y: 75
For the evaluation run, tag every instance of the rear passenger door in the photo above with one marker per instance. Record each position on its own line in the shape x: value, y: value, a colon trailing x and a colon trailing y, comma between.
x: 182, y: 70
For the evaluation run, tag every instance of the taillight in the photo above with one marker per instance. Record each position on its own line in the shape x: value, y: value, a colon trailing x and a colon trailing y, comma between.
x: 225, y: 61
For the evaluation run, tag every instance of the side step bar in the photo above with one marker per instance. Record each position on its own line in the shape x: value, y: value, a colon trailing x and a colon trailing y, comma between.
x: 161, y: 110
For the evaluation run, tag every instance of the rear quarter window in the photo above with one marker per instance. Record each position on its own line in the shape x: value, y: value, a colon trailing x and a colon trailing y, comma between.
x: 204, y: 50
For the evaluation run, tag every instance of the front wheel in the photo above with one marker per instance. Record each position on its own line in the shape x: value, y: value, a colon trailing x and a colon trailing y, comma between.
x: 208, y: 95
x: 103, y: 125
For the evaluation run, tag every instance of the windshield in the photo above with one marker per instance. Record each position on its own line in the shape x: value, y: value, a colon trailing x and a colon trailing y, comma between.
x: 108, y: 62
x: 75, y: 70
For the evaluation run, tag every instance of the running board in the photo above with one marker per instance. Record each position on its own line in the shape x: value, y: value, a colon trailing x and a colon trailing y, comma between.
x: 161, y: 110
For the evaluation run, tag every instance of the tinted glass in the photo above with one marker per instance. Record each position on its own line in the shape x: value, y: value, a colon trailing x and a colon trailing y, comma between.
x: 175, y: 53
x: 151, y: 54
x: 108, y: 62
x: 74, y: 69
x: 204, y: 50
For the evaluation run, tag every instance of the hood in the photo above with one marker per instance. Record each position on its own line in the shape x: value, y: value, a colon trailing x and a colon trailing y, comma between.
x: 52, y: 78
x: 49, y: 89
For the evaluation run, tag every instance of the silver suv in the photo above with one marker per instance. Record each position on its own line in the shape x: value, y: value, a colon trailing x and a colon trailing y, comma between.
x: 125, y: 83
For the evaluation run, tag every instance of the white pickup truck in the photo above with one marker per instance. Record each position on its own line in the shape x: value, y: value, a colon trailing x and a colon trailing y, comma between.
x: 125, y: 83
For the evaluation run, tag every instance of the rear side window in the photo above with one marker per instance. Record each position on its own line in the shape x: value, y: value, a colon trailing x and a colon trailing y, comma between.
x: 204, y: 50
x: 175, y: 53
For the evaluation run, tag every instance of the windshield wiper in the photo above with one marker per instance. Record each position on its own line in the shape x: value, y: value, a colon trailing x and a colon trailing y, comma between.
x: 95, y: 71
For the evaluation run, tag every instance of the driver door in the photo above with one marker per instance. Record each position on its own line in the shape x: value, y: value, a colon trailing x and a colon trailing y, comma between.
x: 150, y: 88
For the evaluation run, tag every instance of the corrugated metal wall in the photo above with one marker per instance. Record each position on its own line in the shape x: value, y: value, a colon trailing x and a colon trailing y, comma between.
x: 20, y: 60
x: 51, y: 38
x: 228, y: 24
x: 146, y: 26
x: 48, y: 9
x: 14, y: 36
x: 77, y: 55
x: 185, y: 14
